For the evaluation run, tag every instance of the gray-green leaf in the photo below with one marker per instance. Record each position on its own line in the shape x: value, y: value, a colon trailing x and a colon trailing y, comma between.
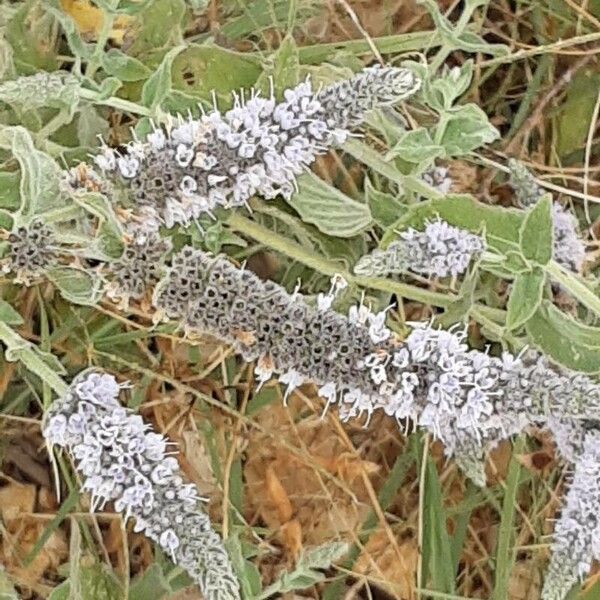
x: 466, y: 128
x: 416, y: 146
x: 568, y: 342
x: 158, y: 86
x: 9, y: 315
x: 76, y: 285
x: 537, y: 232
x: 328, y: 209
x: 39, y: 173
x: 525, y: 298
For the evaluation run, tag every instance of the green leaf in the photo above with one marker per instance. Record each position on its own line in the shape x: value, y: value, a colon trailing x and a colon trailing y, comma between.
x: 108, y: 88
x: 90, y: 125
x: 437, y: 551
x: 158, y: 86
x: 537, y: 233
x: 574, y: 285
x: 322, y: 557
x: 505, y: 552
x: 44, y: 365
x: 328, y: 209
x: 465, y: 129
x: 216, y: 236
x: 525, y: 298
x: 385, y: 208
x: 568, y: 342
x: 110, y: 233
x: 9, y: 190
x: 441, y: 92
x: 576, y: 112
x: 9, y: 315
x: 151, y: 584
x: 201, y: 69
x: 460, y: 308
x: 248, y: 574
x: 160, y: 28
x: 29, y: 39
x: 416, y: 146
x: 76, y: 285
x: 282, y: 68
x: 39, y: 173
x: 95, y: 582
x: 125, y: 68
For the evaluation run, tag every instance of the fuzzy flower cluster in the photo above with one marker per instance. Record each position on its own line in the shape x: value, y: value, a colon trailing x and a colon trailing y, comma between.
x: 41, y: 90
x: 441, y: 250
x: 122, y: 461
x: 527, y: 191
x: 438, y: 178
x: 466, y: 398
x: 138, y: 269
x: 577, y: 531
x: 569, y: 250
x: 31, y: 251
x: 259, y: 146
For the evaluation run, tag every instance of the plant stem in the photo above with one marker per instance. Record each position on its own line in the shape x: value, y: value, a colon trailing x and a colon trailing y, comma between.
x: 114, y: 102
x: 329, y: 267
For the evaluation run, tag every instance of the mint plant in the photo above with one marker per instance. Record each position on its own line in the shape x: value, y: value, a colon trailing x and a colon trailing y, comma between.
x: 144, y: 177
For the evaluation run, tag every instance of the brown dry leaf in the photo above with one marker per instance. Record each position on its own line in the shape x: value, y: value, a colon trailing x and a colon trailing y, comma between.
x: 190, y: 593
x: 199, y: 467
x: 540, y: 462
x: 497, y: 465
x: 278, y: 496
x: 291, y: 538
x: 464, y: 177
x: 89, y: 19
x: 525, y: 581
x: 379, y: 561
x: 23, y: 531
x: 16, y: 499
x: 275, y: 476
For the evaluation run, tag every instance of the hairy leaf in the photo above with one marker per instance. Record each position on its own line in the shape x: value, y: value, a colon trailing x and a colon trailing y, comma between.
x: 328, y: 209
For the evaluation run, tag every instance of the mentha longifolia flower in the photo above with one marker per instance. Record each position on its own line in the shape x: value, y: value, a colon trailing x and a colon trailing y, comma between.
x: 438, y: 178
x: 262, y: 321
x: 138, y: 270
x: 569, y: 249
x: 32, y: 250
x: 577, y: 530
x: 466, y: 398
x: 121, y: 460
x: 258, y: 147
x: 441, y: 250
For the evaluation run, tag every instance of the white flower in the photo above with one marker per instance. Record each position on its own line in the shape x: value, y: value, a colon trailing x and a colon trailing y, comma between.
x: 121, y: 462
x: 258, y: 147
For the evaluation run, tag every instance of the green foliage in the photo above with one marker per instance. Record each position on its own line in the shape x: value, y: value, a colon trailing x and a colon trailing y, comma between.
x: 568, y: 342
x: 525, y: 298
x: 536, y: 235
x: 306, y: 573
x: 167, y: 63
x: 438, y: 566
x: 95, y: 582
x: 329, y: 209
